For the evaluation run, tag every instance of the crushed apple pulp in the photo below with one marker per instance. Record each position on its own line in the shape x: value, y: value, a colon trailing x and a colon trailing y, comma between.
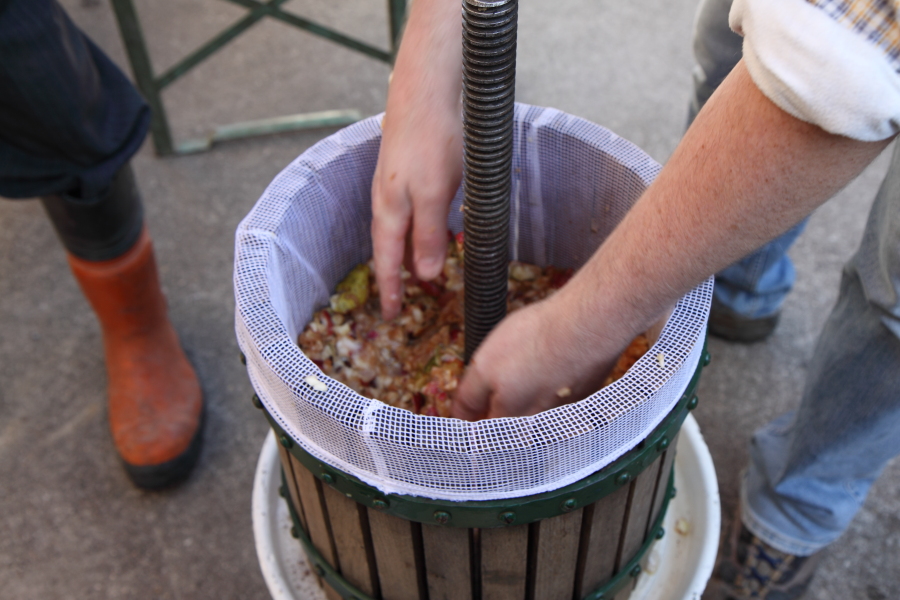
x: 415, y: 361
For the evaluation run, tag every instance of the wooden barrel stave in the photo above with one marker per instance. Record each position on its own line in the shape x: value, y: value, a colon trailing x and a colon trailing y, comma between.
x: 504, y: 562
x: 318, y: 526
x: 391, y: 558
x: 640, y: 503
x: 352, y: 541
x: 287, y: 466
x: 448, y: 562
x: 399, y: 556
x: 600, y: 540
x: 556, y: 556
x: 312, y: 506
x: 624, y: 594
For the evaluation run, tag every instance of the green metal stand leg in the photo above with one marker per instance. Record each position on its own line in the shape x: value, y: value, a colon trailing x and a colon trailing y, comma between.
x: 397, y: 16
x: 133, y: 38
x: 151, y: 86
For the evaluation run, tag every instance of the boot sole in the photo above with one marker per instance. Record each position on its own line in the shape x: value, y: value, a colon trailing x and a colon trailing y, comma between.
x: 730, y: 326
x: 171, y: 472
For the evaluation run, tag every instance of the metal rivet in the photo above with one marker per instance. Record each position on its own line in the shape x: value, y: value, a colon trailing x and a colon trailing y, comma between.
x: 379, y: 504
x: 286, y: 441
x: 623, y: 478
x: 243, y: 359
x: 673, y: 493
x: 635, y: 571
x: 256, y: 401
x: 706, y: 358
x: 663, y: 444
x: 327, y: 478
x: 294, y: 532
x: 441, y: 516
x: 508, y: 517
x: 692, y: 403
x: 660, y: 533
x: 569, y: 504
x: 320, y: 571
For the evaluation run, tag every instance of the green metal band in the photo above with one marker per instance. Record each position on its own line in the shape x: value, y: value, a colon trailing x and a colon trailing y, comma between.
x: 516, y: 511
x: 606, y: 592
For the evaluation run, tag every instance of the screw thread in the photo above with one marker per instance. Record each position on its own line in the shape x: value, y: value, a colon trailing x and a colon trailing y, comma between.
x: 489, y: 72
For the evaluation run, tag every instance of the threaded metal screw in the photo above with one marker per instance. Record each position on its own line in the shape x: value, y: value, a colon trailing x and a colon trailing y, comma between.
x: 489, y: 75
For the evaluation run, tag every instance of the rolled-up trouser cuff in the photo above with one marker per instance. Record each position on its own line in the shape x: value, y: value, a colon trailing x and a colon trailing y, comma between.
x: 777, y: 540
x: 103, y: 227
x: 69, y: 117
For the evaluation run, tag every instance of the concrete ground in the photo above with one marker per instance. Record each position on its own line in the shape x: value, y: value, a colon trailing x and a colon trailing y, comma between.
x: 72, y: 526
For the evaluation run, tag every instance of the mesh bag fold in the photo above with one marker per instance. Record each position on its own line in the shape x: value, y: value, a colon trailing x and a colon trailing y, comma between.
x: 573, y: 181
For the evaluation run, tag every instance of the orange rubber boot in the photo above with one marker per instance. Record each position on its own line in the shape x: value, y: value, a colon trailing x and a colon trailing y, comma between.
x: 155, y: 403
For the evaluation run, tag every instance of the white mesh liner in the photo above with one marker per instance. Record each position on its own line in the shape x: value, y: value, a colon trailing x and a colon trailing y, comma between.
x: 573, y: 181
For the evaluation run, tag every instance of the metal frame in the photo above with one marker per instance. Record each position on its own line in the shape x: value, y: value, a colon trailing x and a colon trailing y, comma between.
x: 151, y: 85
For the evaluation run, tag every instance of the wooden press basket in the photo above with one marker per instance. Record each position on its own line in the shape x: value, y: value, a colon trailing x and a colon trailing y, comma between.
x: 583, y: 541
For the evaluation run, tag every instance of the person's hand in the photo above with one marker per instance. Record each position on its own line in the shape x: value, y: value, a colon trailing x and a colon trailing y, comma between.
x: 538, y: 358
x: 420, y: 163
x: 418, y: 172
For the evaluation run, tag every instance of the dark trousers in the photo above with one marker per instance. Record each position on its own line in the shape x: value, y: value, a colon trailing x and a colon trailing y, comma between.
x: 69, y: 122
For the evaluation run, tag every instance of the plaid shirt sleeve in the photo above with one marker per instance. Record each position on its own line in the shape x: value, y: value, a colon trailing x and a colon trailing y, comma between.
x: 874, y: 20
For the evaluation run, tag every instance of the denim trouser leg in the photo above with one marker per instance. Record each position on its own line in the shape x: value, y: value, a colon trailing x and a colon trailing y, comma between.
x: 757, y: 285
x: 810, y: 471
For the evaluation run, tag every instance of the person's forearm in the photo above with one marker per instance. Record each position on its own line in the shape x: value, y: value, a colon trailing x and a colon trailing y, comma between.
x: 745, y: 172
x: 429, y: 63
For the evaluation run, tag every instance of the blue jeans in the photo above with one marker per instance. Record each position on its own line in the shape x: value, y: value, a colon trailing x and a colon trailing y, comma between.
x: 757, y: 285
x: 810, y: 470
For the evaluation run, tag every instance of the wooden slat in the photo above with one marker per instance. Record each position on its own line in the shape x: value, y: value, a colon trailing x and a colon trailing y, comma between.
x: 504, y: 562
x: 394, y: 543
x: 350, y: 530
x: 318, y: 527
x: 662, y: 483
x: 330, y: 594
x: 447, y: 562
x: 638, y: 513
x: 557, y: 556
x: 625, y: 593
x: 606, y: 518
x: 287, y: 465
